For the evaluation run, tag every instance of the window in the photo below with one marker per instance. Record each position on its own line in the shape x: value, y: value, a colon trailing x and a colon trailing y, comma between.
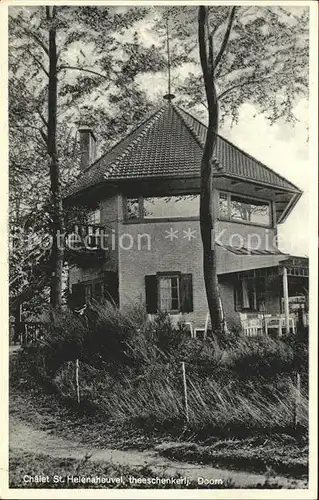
x: 132, y: 209
x: 170, y: 207
x: 240, y: 208
x: 103, y: 288
x: 162, y: 207
x: 90, y: 292
x: 98, y: 289
x: 250, y: 294
x: 171, y: 291
x: 223, y: 205
x: 94, y: 217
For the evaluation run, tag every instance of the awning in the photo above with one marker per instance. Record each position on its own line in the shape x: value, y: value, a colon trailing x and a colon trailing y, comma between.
x: 234, y: 260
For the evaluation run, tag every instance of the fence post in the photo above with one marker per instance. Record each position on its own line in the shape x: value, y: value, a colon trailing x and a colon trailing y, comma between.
x: 77, y: 380
x: 185, y: 392
x: 297, y: 401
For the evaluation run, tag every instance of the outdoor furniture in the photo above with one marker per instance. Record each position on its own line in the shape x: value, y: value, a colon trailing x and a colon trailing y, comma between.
x: 201, y: 332
x: 278, y: 322
x: 189, y: 326
x: 252, y: 325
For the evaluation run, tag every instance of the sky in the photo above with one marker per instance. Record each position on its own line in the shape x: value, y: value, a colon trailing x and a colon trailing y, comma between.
x: 284, y: 147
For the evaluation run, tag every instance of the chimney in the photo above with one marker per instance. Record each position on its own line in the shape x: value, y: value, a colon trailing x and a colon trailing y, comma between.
x: 87, y: 147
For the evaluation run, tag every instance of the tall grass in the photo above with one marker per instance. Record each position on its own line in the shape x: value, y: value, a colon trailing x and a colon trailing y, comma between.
x: 130, y: 371
x: 156, y: 400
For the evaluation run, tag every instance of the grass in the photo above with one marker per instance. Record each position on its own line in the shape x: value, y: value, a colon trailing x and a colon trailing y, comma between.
x: 279, y: 454
x: 130, y: 371
x: 223, y: 404
x: 282, y: 454
x: 240, y: 391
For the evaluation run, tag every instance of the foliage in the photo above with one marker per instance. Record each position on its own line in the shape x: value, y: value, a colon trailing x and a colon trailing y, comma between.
x: 85, y: 86
x: 260, y: 357
x: 265, y: 62
x: 131, y: 374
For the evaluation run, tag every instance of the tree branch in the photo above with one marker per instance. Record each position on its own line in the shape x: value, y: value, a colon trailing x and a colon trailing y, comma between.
x: 202, y: 43
x: 26, y: 294
x: 243, y: 84
x: 44, y: 121
x: 44, y: 137
x: 226, y: 37
x: 34, y: 36
x: 208, y: 73
x: 86, y: 70
x: 39, y: 63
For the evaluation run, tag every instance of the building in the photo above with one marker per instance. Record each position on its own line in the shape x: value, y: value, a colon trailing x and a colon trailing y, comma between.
x: 144, y: 195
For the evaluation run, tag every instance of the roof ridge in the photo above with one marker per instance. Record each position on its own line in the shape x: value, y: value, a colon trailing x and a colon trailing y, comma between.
x: 151, y: 150
x: 177, y: 109
x: 132, y: 145
x: 239, y: 149
x: 197, y: 137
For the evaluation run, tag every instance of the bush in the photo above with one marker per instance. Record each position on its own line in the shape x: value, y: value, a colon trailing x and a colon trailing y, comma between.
x: 260, y: 356
x: 130, y: 371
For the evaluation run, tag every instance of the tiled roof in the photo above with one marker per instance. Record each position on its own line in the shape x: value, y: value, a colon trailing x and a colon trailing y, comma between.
x: 170, y: 144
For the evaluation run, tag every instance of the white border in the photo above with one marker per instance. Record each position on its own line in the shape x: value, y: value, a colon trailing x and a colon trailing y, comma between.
x: 309, y: 493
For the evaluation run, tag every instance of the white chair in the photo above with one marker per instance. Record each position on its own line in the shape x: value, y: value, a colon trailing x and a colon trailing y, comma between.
x: 189, y: 325
x: 252, y: 326
x: 278, y: 322
x: 201, y: 332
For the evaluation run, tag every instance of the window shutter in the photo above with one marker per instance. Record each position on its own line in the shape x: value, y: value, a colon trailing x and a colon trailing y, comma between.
x: 151, y: 293
x: 186, y: 293
x: 111, y: 287
x: 78, y: 296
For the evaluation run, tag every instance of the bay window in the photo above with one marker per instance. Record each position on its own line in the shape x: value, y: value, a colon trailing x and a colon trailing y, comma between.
x: 161, y: 207
x: 241, y: 208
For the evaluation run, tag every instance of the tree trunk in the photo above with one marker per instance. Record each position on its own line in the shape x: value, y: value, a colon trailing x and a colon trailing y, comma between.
x: 207, y: 213
x: 57, y: 209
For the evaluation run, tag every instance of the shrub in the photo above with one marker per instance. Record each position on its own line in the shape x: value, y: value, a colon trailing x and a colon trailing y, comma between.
x: 130, y: 371
x: 203, y: 358
x: 260, y: 356
x: 161, y: 333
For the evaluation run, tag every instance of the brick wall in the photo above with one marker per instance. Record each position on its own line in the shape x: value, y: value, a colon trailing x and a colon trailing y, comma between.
x: 140, y: 249
x: 183, y: 254
x: 164, y: 255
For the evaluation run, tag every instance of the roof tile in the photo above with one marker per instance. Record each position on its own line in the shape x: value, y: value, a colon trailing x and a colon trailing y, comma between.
x: 170, y: 144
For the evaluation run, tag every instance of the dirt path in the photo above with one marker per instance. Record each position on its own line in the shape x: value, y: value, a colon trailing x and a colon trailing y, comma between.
x: 26, y: 438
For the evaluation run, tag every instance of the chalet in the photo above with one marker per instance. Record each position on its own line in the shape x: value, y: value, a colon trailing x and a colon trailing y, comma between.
x: 143, y: 237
